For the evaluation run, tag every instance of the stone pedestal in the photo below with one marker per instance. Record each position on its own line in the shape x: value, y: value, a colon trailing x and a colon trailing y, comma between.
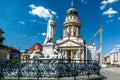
x: 47, y: 50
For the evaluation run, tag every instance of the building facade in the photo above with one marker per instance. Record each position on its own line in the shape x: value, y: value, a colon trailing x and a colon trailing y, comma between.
x: 113, y: 57
x: 72, y: 45
x: 35, y: 51
x: 91, y: 50
x: 106, y: 58
x: 7, y: 53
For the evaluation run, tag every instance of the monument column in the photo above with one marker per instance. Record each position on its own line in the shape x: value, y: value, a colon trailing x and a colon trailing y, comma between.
x: 48, y: 43
x: 71, y: 54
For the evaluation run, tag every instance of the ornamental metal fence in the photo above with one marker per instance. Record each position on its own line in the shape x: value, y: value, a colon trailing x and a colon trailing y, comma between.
x: 36, y: 69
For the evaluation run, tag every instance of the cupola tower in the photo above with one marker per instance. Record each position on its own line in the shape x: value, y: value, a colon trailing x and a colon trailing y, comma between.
x: 71, y: 25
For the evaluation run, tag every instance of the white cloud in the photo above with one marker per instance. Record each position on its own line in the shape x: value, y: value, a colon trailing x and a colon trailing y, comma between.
x: 52, y: 12
x: 118, y: 18
x: 105, y: 2
x: 41, y: 11
x: 21, y: 22
x: 110, y: 12
x: 43, y: 34
x: 57, y: 17
x: 118, y: 45
x: 102, y: 7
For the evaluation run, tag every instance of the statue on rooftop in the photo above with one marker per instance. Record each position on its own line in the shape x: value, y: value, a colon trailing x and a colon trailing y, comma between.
x: 50, y: 31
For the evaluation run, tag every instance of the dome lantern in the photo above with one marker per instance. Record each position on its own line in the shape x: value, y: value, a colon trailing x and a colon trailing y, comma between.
x: 72, y: 10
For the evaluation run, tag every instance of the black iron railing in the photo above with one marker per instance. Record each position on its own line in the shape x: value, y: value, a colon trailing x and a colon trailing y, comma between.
x: 52, y: 68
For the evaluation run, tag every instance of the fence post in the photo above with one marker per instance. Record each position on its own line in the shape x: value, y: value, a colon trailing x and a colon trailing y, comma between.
x: 75, y: 70
x: 98, y: 69
x: 36, y: 62
x: 19, y: 66
x: 58, y: 71
x: 38, y: 70
x: 1, y: 70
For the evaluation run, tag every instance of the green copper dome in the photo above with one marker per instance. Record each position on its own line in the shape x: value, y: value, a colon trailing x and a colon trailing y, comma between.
x: 72, y: 11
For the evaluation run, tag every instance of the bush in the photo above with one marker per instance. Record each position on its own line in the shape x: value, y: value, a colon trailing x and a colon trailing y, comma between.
x: 108, y: 63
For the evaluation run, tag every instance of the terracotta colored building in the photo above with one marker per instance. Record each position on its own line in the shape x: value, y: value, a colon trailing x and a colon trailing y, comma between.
x: 35, y: 51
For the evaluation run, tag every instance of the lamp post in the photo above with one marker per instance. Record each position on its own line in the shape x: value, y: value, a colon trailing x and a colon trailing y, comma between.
x: 86, y: 52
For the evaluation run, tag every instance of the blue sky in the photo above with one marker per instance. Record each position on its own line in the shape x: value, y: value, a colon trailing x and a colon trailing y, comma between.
x: 25, y: 21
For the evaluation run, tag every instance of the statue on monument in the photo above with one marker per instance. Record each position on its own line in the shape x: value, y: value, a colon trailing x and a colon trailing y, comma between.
x: 50, y: 31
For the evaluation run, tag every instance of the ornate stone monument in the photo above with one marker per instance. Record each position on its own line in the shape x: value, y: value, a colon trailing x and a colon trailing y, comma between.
x: 50, y: 31
x: 48, y: 43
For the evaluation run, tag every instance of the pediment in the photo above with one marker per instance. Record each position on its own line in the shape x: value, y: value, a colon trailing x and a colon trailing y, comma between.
x: 68, y: 43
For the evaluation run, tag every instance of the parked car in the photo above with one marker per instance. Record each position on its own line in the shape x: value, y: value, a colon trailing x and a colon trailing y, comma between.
x: 104, y: 66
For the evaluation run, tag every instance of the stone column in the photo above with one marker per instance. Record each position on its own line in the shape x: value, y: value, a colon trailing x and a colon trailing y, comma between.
x: 65, y: 54
x: 71, y: 54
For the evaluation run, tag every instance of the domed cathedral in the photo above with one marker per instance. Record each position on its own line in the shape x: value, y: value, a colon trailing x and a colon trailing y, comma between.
x: 72, y: 45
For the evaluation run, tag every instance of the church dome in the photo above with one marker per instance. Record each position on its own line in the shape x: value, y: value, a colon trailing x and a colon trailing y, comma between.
x: 72, y: 11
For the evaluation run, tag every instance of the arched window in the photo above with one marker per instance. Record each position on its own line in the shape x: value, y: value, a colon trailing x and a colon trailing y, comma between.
x: 74, y: 33
x: 74, y: 17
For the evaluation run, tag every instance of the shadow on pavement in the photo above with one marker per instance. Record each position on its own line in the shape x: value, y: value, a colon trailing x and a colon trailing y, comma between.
x: 101, y: 77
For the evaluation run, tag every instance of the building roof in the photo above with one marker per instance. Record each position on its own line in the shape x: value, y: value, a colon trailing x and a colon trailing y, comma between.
x: 72, y: 11
x: 12, y: 49
x: 38, y: 45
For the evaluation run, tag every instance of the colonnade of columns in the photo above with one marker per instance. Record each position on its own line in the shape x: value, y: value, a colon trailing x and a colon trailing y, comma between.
x: 72, y: 54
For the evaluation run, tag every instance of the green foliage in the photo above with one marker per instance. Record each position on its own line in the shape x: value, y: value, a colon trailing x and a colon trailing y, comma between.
x: 108, y: 63
x: 9, y: 51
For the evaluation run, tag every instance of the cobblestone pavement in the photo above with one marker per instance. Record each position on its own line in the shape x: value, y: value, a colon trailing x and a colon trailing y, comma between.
x: 112, y: 73
x: 92, y: 77
x: 113, y: 69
